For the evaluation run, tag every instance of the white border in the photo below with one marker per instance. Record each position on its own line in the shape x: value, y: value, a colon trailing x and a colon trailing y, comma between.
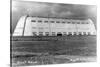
x: 5, y: 32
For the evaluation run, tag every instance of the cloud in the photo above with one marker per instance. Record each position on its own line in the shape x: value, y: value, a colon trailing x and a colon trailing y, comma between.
x: 67, y: 13
x: 51, y: 9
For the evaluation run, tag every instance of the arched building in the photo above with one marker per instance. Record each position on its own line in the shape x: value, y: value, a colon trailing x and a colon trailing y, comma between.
x: 46, y: 26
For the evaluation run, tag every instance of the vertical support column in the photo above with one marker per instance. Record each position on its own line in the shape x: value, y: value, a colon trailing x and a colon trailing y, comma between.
x: 24, y: 26
x: 72, y: 33
x: 49, y: 27
x: 76, y: 29
x: 82, y: 33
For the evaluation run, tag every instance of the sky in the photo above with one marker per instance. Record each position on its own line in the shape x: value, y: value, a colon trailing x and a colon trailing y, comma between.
x: 31, y: 8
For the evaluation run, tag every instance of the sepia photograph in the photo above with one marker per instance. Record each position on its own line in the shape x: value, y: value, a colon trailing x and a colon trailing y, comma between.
x: 45, y: 33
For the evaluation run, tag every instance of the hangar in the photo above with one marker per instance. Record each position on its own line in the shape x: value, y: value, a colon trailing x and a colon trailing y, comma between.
x: 53, y: 26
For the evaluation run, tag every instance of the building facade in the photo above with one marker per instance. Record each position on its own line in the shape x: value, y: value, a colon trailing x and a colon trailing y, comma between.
x: 46, y: 26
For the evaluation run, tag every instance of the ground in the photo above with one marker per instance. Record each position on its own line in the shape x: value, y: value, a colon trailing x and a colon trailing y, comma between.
x: 52, y: 50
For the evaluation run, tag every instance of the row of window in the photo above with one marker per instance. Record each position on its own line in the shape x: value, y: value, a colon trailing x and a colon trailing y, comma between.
x: 40, y: 21
x: 64, y: 33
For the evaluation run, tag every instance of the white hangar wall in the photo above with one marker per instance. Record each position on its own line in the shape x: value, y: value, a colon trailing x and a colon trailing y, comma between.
x: 20, y: 27
x: 31, y: 26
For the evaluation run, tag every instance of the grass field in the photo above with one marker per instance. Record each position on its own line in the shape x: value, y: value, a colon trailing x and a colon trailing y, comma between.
x: 53, y: 50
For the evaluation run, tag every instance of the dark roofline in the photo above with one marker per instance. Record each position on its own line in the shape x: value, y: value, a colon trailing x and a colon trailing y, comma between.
x: 73, y: 18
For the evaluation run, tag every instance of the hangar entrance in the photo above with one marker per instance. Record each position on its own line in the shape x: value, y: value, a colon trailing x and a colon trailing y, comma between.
x: 59, y: 34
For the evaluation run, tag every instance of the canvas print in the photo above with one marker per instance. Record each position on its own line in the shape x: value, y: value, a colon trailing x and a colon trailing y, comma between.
x: 44, y: 33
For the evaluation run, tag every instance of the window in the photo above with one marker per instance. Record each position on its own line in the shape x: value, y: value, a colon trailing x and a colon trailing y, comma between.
x: 63, y: 22
x: 39, y: 21
x: 40, y: 33
x: 80, y: 33
x: 52, y: 21
x: 78, y: 22
x: 33, y: 21
x: 57, y: 22
x: 59, y: 34
x: 40, y: 28
x: 64, y: 33
x: 89, y: 33
x: 84, y: 33
x: 69, y: 33
x: 45, y: 21
x: 68, y: 22
x: 47, y: 33
x: 82, y: 22
x: 53, y: 34
x: 33, y: 27
x: 75, y: 33
x: 34, y: 33
x: 73, y: 22
x: 86, y: 23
